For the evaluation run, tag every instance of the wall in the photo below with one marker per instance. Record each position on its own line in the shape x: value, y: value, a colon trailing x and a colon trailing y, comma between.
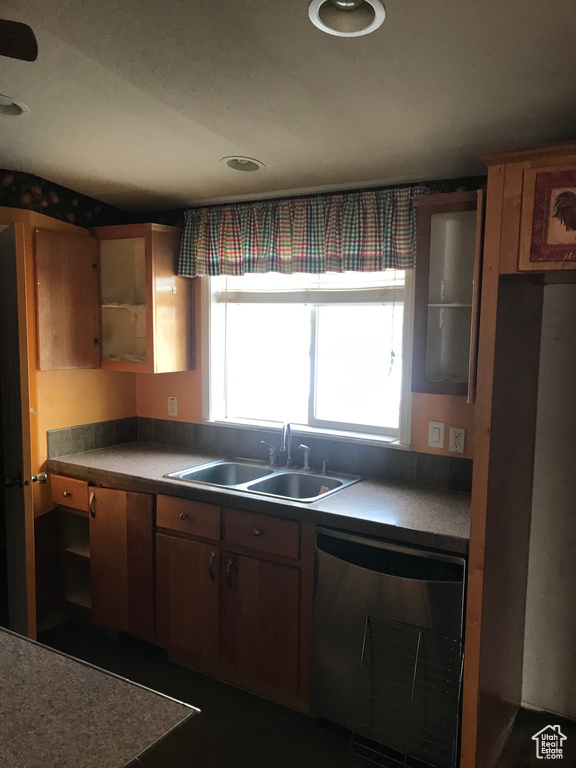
x: 453, y: 411
x: 153, y: 390
x: 550, y: 632
x: 28, y: 192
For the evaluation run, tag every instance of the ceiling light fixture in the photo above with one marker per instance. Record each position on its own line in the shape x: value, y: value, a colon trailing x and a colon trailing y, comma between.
x: 10, y: 107
x: 242, y: 163
x: 347, y: 18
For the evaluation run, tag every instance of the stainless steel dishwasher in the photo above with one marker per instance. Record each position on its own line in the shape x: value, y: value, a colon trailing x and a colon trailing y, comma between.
x: 387, y: 648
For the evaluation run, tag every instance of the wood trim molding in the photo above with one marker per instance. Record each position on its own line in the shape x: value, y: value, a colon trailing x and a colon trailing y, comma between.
x: 562, y: 149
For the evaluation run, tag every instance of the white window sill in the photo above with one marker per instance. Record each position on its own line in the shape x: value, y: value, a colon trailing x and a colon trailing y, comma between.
x: 363, y: 438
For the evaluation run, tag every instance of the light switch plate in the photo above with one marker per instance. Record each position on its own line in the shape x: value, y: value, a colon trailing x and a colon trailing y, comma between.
x: 172, y: 406
x: 436, y: 432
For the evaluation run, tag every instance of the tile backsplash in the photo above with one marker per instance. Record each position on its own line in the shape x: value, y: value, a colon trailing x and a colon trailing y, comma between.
x: 384, y: 462
x: 87, y: 437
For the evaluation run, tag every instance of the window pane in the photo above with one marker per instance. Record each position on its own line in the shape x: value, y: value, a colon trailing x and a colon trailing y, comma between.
x: 268, y: 362
x: 358, y: 379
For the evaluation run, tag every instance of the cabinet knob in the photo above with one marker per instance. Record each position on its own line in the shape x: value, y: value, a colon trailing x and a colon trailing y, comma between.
x: 66, y: 494
x: 257, y: 532
x: 183, y: 516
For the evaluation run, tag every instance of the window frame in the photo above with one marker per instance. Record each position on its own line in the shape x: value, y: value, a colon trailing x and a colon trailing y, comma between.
x: 213, y: 321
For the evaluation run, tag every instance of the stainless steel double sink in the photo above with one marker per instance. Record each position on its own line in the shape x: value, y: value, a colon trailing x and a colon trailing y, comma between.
x: 253, y: 477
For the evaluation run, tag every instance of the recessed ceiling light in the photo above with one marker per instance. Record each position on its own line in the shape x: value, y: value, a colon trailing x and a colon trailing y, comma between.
x: 347, y: 18
x: 10, y: 107
x: 242, y: 163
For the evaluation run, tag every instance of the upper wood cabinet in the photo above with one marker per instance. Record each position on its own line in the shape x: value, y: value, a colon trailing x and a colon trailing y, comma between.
x: 147, y: 311
x: 67, y: 300
x: 449, y: 243
x: 538, y: 207
x: 138, y: 317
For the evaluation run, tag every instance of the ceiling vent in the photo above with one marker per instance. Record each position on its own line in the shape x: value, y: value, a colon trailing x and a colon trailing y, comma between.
x: 347, y: 18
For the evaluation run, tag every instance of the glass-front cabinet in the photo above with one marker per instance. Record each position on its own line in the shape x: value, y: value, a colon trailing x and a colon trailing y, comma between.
x: 447, y: 291
x: 123, y: 290
x: 147, y: 311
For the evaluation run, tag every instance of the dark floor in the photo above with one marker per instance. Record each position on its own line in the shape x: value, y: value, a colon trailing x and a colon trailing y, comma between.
x: 244, y: 731
x: 239, y: 730
x: 520, y: 752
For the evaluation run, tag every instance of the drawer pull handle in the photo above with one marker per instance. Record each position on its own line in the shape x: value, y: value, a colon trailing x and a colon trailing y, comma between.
x: 257, y: 532
x: 91, y: 504
x: 183, y: 516
x: 210, y: 571
x: 228, y: 569
x: 66, y: 494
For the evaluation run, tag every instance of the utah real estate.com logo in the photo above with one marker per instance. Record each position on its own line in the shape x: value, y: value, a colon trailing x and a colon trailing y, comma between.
x: 549, y: 743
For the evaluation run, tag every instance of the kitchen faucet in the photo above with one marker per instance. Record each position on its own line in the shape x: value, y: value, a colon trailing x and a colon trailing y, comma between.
x: 285, y: 445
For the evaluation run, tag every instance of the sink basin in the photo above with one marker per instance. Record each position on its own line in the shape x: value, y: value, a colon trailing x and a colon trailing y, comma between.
x: 228, y: 473
x: 297, y: 485
x: 252, y: 477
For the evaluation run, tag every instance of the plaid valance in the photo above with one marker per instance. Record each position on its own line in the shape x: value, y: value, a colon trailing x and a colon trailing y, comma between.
x: 357, y: 231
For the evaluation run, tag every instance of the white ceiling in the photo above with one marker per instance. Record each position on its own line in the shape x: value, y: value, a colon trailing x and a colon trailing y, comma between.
x: 134, y: 102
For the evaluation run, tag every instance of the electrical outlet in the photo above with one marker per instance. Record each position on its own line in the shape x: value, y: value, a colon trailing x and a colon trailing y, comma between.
x: 457, y: 439
x: 172, y: 406
x: 436, y: 430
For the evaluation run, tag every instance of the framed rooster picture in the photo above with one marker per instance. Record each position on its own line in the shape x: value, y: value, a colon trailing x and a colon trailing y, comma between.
x: 548, y: 227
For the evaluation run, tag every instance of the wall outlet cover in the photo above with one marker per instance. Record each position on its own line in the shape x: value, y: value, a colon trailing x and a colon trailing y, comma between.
x: 172, y: 406
x: 457, y: 439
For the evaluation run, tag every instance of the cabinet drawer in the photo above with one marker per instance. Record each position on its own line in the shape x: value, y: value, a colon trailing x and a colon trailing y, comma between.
x: 193, y: 517
x: 67, y: 492
x: 267, y: 534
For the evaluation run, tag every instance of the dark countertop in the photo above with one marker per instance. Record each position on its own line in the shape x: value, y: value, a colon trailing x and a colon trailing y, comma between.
x: 58, y: 712
x: 425, y: 517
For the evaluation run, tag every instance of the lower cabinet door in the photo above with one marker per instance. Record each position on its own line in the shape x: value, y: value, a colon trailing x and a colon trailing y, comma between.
x: 187, y: 595
x: 122, y: 560
x: 261, y: 620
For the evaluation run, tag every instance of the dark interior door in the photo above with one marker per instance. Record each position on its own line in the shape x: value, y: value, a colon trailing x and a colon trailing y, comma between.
x: 3, y: 559
x: 16, y: 510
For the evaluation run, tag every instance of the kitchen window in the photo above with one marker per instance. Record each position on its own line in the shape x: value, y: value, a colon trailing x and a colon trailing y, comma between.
x: 327, y: 351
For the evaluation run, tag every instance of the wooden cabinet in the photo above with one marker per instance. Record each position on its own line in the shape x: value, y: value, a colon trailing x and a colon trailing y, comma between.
x: 185, y: 516
x: 147, y: 311
x: 67, y: 301
x: 137, y: 316
x: 538, y: 212
x: 187, y: 593
x: 188, y: 576
x: 71, y: 497
x: 507, y: 410
x: 262, y: 600
x: 228, y: 591
x: 449, y: 239
x: 273, y: 535
x: 240, y: 600
x: 122, y: 560
x: 107, y: 540
x: 261, y: 621
x: 68, y: 492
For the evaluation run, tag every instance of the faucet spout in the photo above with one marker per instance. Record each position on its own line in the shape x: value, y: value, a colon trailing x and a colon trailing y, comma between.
x: 286, y: 443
